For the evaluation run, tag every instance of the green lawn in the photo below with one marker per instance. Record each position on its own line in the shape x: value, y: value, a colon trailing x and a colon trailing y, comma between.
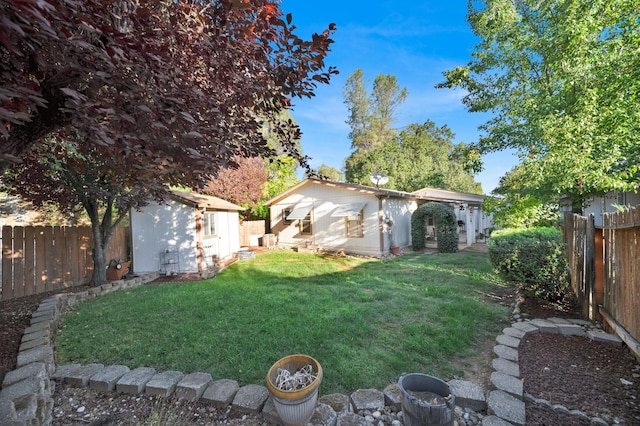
x: 366, y: 321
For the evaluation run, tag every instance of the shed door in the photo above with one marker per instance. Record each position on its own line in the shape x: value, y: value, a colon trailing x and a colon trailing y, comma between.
x: 224, y: 237
x: 210, y: 249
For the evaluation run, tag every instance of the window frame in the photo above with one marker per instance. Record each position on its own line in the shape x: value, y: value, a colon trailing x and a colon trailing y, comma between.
x: 286, y: 212
x: 209, y: 224
x: 307, y: 222
x: 357, y: 223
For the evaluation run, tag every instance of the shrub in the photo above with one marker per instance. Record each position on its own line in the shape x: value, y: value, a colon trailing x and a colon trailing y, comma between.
x: 533, y: 257
x: 446, y: 227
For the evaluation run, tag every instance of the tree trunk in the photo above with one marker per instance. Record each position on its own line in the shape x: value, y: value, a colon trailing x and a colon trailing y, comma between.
x: 101, y: 242
x: 99, y: 275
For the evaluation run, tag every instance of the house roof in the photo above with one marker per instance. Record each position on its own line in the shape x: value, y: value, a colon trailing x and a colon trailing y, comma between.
x: 445, y: 195
x: 426, y: 194
x: 201, y: 201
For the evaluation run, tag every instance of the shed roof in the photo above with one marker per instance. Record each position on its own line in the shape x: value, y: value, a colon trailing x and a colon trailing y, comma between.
x: 201, y: 201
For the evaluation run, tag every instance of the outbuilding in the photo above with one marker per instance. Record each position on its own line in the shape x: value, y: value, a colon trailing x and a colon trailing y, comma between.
x: 189, y: 233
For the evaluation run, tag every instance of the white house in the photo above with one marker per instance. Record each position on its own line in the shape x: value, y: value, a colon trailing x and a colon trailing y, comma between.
x: 598, y: 205
x: 354, y: 218
x: 187, y: 233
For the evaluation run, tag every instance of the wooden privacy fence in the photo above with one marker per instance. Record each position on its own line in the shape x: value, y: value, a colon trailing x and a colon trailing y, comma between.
x: 620, y: 306
x: 605, y: 270
x: 251, y: 231
x: 37, y: 259
x: 579, y: 236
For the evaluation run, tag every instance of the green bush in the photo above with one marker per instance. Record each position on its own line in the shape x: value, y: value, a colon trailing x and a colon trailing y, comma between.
x: 446, y: 227
x: 533, y: 257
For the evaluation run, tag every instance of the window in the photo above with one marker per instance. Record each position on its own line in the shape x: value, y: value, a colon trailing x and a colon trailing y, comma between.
x: 355, y: 225
x: 209, y: 220
x: 286, y: 212
x: 305, y: 225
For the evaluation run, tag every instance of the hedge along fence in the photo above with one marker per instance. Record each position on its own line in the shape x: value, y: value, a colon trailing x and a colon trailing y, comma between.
x: 446, y: 225
x: 533, y: 257
x: 37, y: 259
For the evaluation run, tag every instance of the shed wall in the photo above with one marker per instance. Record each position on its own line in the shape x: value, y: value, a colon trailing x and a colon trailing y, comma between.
x: 158, y: 227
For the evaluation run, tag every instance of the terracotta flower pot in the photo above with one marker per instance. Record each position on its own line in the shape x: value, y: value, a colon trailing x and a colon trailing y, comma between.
x: 295, y: 407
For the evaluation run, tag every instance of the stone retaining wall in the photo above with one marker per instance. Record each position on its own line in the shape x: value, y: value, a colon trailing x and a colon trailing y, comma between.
x: 25, y: 398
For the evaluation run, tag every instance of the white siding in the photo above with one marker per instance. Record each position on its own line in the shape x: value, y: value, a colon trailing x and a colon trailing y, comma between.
x: 228, y: 232
x: 599, y: 205
x: 158, y: 227
x: 330, y: 233
x: 400, y: 211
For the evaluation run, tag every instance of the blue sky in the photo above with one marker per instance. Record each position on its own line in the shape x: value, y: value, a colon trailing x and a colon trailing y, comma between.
x: 416, y: 41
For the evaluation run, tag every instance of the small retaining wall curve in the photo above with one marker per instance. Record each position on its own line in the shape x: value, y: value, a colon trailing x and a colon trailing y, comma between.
x: 25, y: 398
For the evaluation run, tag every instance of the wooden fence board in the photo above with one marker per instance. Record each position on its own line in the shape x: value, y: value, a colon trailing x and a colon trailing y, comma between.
x: 18, y: 261
x: 44, y: 258
x: 616, y: 276
x: 73, y: 263
x: 29, y: 261
x: 49, y: 262
x: 40, y: 273
x: 7, y: 267
x: 84, y: 237
x: 622, y: 270
x: 579, y: 236
x: 249, y: 228
x: 60, y: 258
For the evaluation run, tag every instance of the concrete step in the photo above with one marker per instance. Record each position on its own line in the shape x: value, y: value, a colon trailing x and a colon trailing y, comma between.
x: 506, y: 407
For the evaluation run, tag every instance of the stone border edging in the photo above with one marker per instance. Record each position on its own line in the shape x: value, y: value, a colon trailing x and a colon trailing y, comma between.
x: 25, y: 398
x: 507, y: 401
x: 26, y: 395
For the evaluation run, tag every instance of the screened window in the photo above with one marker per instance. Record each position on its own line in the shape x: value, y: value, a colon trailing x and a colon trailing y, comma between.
x: 209, y: 224
x: 285, y: 214
x: 305, y: 225
x: 355, y: 225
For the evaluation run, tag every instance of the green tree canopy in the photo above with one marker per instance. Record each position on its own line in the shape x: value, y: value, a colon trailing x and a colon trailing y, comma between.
x: 371, y: 114
x: 328, y: 172
x: 113, y: 102
x: 421, y: 155
x: 562, y: 80
x: 515, y: 206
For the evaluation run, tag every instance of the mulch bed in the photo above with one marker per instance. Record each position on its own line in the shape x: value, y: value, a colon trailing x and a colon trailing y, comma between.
x: 578, y: 373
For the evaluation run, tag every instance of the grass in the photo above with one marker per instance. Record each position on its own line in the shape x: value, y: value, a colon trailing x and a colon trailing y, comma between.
x: 366, y: 321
